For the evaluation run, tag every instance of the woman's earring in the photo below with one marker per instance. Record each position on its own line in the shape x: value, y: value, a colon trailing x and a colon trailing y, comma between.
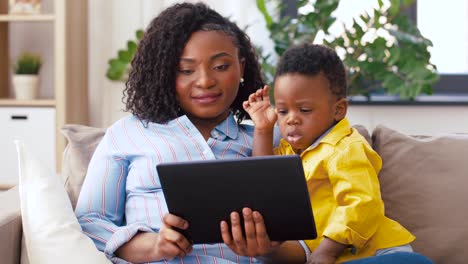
x: 241, y: 81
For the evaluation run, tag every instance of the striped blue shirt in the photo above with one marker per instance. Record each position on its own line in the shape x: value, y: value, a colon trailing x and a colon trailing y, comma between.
x: 122, y: 194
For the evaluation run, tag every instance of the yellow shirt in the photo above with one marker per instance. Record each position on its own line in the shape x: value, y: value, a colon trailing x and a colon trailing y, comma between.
x: 341, y: 171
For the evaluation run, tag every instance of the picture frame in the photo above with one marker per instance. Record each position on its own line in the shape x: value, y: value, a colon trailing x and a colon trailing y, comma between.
x: 24, y: 7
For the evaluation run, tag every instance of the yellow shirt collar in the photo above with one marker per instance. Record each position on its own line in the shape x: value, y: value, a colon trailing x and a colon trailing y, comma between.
x: 341, y: 130
x: 331, y: 136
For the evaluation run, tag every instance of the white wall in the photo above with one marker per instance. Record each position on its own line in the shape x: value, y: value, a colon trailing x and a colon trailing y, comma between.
x: 412, y: 119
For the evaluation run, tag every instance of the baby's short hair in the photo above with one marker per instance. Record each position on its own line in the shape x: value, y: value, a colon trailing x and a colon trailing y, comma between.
x: 313, y: 59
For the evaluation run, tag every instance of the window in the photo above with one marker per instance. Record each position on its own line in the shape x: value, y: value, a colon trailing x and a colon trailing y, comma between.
x: 450, y: 52
x: 435, y: 19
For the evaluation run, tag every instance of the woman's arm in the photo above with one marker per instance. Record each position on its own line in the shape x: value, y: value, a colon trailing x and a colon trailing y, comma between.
x: 167, y: 244
x: 101, y: 209
x: 101, y: 203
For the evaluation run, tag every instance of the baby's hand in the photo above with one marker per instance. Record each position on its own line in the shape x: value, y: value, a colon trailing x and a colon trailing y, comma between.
x: 260, y: 110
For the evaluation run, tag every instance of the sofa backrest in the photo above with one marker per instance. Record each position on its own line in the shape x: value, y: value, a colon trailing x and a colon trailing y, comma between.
x: 82, y: 141
x: 423, y: 182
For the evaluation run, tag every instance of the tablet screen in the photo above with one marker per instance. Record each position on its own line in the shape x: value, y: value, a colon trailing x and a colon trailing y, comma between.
x: 206, y: 192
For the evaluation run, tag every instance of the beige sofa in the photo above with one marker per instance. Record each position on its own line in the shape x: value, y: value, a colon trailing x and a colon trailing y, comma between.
x: 424, y: 183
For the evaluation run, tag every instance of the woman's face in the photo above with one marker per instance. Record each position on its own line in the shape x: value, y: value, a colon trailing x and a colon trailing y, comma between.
x: 208, y: 76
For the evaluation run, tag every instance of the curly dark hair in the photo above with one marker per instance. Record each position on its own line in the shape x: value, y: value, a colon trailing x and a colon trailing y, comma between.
x: 312, y: 59
x: 150, y: 90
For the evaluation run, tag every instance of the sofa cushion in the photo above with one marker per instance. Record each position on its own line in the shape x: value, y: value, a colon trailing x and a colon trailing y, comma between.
x: 423, y: 182
x: 51, y: 231
x: 82, y: 141
x: 10, y: 226
x: 364, y: 132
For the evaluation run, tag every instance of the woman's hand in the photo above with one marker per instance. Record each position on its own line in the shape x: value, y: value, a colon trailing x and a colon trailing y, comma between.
x: 170, y: 243
x: 260, y: 110
x: 167, y: 244
x: 256, y: 241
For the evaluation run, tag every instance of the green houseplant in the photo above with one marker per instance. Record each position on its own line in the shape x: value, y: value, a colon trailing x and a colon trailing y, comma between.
x: 28, y: 63
x: 383, y: 51
x: 26, y: 76
x: 119, y: 66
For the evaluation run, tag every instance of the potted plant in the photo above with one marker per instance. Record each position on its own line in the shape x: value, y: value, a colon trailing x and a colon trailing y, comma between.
x: 119, y: 67
x: 26, y: 76
x: 383, y: 50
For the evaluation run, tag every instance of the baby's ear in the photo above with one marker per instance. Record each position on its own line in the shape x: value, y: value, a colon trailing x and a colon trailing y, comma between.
x: 341, y: 107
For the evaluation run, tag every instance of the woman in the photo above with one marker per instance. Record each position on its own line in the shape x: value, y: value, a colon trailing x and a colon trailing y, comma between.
x: 191, y: 73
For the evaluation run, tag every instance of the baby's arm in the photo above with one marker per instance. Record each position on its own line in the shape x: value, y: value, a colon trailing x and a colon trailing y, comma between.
x: 264, y: 117
x: 352, y: 171
x: 327, y: 252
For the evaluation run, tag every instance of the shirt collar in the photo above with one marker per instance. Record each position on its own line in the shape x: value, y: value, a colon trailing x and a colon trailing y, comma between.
x: 332, y: 136
x: 227, y: 128
x: 339, y: 131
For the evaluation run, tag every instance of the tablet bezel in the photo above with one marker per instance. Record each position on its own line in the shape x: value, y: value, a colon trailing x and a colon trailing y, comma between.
x: 206, y: 192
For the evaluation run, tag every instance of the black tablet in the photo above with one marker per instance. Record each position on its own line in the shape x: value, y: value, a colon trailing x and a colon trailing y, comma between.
x: 206, y: 192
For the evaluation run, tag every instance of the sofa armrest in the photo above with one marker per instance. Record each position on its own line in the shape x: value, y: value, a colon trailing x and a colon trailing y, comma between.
x: 10, y: 226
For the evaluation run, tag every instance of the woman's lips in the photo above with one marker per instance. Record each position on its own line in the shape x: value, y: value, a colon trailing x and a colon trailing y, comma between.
x: 206, y: 98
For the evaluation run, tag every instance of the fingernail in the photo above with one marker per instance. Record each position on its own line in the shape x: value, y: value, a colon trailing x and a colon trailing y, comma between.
x: 247, y: 210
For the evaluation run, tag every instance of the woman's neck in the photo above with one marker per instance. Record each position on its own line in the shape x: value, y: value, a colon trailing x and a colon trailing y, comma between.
x: 205, y: 126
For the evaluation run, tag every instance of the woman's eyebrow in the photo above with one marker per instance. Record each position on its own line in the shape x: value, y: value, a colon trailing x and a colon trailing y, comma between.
x: 221, y: 54
x: 189, y: 60
x: 214, y: 57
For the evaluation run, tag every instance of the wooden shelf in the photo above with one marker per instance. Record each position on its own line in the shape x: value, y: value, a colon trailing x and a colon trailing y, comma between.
x: 31, y: 103
x: 27, y: 18
x: 62, y: 38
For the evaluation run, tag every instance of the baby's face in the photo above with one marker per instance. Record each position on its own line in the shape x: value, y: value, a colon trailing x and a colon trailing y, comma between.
x: 306, y: 108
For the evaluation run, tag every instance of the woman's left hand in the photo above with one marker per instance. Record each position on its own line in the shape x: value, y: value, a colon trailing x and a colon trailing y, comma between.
x: 256, y: 241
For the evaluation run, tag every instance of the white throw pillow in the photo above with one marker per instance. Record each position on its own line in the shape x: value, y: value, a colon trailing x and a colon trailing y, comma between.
x: 51, y: 231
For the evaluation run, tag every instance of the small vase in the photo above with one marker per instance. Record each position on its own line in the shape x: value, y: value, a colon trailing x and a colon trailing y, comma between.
x: 26, y: 86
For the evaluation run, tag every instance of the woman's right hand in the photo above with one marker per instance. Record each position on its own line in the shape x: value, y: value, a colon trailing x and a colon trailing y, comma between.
x: 167, y: 244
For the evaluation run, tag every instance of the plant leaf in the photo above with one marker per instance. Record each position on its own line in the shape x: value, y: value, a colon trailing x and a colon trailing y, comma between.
x: 125, y: 56
x: 131, y: 46
x: 394, y: 7
x: 262, y: 8
x: 139, y: 34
